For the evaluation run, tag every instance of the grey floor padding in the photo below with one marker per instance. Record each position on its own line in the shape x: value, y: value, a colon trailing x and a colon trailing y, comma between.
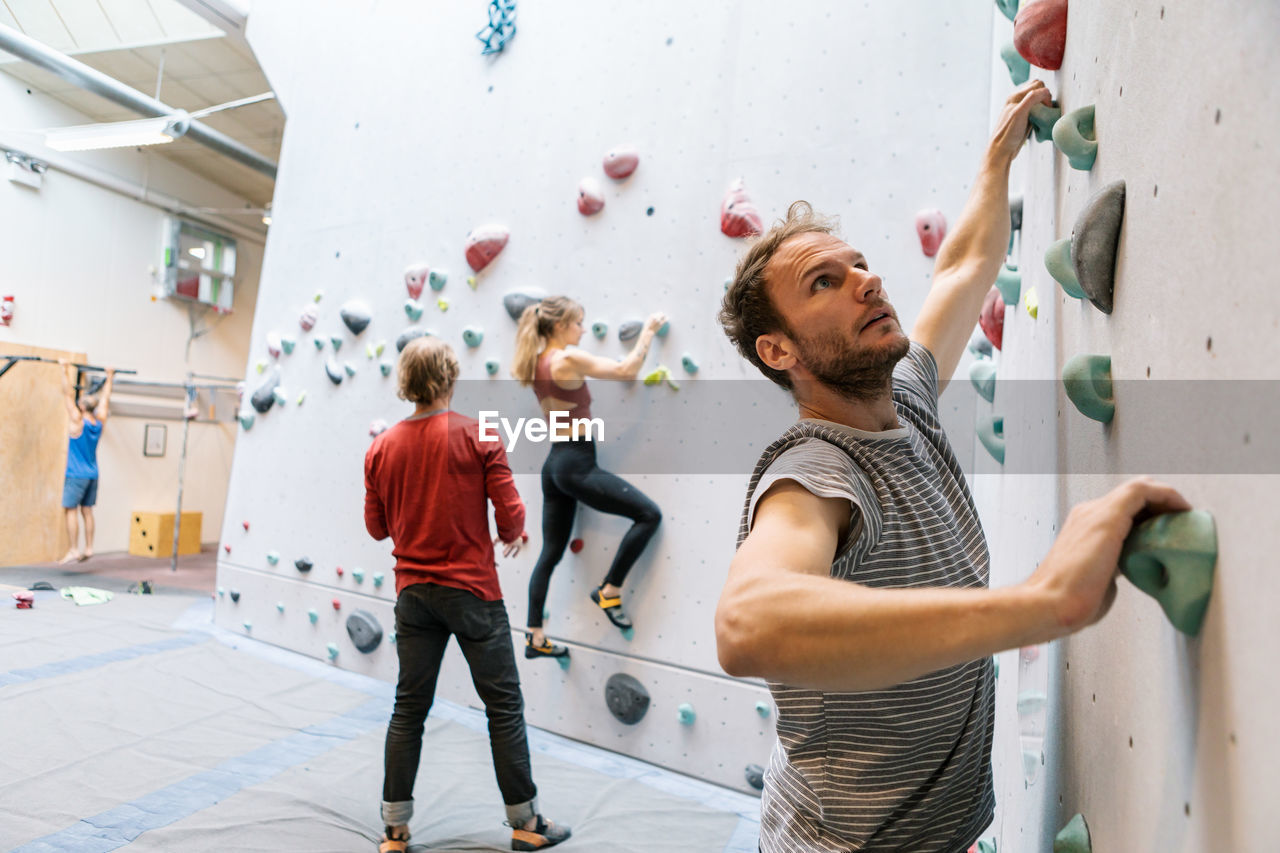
x: 111, y: 705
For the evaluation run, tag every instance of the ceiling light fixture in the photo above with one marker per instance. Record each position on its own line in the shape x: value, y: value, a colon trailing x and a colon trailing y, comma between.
x: 130, y: 134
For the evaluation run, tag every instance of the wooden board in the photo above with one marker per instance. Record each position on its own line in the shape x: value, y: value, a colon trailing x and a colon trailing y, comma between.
x: 33, y: 457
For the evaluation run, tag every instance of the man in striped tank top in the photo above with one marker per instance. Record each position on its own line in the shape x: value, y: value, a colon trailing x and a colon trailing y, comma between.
x: 859, y: 590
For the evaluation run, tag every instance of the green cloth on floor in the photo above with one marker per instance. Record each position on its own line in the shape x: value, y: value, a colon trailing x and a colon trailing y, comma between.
x: 86, y: 595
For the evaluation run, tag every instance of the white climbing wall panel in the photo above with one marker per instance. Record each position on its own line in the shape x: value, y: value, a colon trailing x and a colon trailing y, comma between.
x: 402, y: 138
x: 1161, y: 741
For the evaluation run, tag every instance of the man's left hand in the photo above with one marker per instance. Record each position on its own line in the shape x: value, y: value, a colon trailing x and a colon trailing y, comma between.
x: 1013, y: 126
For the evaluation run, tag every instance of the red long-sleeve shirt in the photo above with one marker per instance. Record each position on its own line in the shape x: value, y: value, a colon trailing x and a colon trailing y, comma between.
x: 427, y: 485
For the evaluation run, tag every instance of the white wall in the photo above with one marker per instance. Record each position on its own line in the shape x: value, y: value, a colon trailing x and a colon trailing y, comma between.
x: 81, y: 261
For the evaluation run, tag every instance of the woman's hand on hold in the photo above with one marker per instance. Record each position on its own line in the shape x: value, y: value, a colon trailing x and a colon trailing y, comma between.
x: 654, y: 323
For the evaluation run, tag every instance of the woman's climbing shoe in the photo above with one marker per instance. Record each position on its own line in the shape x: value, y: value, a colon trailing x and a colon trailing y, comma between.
x: 399, y: 844
x: 612, y: 608
x: 544, y: 834
x: 546, y: 650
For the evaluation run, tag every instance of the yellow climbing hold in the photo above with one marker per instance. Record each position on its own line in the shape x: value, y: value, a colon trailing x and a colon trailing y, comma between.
x: 661, y: 374
x: 1031, y: 302
x: 442, y: 304
x: 471, y: 282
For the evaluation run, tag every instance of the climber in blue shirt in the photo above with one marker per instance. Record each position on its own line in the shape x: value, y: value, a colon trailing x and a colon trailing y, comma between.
x: 80, y: 489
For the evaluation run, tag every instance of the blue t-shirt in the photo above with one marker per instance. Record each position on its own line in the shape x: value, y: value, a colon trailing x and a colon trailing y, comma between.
x: 82, y: 452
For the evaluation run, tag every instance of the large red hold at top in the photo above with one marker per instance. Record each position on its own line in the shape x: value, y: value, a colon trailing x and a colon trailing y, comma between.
x: 1040, y: 33
x: 484, y: 244
x: 738, y: 214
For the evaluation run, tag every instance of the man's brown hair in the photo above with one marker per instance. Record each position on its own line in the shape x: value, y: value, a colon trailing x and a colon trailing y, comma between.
x: 747, y: 312
x: 428, y: 368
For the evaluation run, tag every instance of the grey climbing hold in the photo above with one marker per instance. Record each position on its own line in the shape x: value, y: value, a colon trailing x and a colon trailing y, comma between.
x: 979, y: 345
x: 492, y: 366
x: 1074, y: 837
x: 235, y: 595
x: 517, y: 302
x: 356, y: 316
x: 408, y: 335
x: 1009, y: 283
x: 1075, y: 136
x: 473, y: 336
x: 334, y: 372
x: 991, y: 434
x: 686, y: 714
x: 364, y: 630
x: 600, y: 328
x: 1094, y: 243
x: 626, y: 697
x: 982, y: 374
x: 303, y: 564
x: 1015, y: 213
x: 1019, y: 68
x: 1057, y: 260
x: 1043, y: 119
x: 1087, y: 379
x: 755, y: 776
x: 386, y: 366
x: 264, y: 397
x: 629, y: 330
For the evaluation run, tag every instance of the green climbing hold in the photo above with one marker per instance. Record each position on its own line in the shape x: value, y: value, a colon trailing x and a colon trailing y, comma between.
x: 302, y: 397
x: 246, y: 420
x: 437, y: 279
x: 686, y: 714
x: 663, y: 329
x: 991, y: 434
x: 287, y: 344
x: 1074, y: 837
x: 221, y: 591
x: 442, y: 304
x: 357, y: 575
x: 279, y: 606
x: 687, y: 362
x: 600, y: 328
x: 1075, y: 136
x: 982, y: 373
x: 763, y: 709
x: 377, y: 579
x: 1171, y: 558
x: 628, y: 634
x: 1031, y: 702
x: 278, y: 395
x: 313, y: 616
x: 336, y: 342
x: 413, y: 309
x: 1057, y: 260
x: 1096, y: 238
x: 1087, y: 379
x: 1009, y: 283
x: 333, y: 651
x: 1043, y: 119
x: 318, y: 342
x: 273, y: 557
x: 492, y: 366
x: 1019, y: 68
x: 386, y: 366
x: 349, y: 368
x: 987, y: 845
x: 248, y: 626
x: 472, y: 336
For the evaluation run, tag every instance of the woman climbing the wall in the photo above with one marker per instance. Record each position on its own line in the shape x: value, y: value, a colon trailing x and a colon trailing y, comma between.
x: 547, y: 358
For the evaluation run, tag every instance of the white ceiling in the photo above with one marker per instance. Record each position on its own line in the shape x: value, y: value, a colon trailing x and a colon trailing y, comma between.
x: 140, y: 43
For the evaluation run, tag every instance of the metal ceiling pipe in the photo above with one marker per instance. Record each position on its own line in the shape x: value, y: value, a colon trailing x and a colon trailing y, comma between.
x: 92, y: 80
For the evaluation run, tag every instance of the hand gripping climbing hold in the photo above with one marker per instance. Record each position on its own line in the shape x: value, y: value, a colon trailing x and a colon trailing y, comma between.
x: 755, y: 776
x: 626, y: 697
x: 1094, y: 244
x: 1057, y: 260
x: 408, y: 335
x: 664, y: 329
x: 1040, y: 32
x: 686, y: 714
x: 516, y: 303
x: 738, y: 214
x: 590, y: 197
x: 1043, y: 119
x: 415, y: 278
x: 599, y: 328
x: 334, y: 372
x: 1171, y: 557
x: 931, y: 228
x: 992, y: 317
x: 413, y: 309
x: 1019, y: 68
x: 990, y: 430
x: 1074, y: 837
x: 473, y: 336
x: 364, y: 631
x: 1087, y: 380
x: 484, y: 243
x: 630, y: 330
x: 621, y: 161
x: 355, y: 315
x: 1009, y: 283
x: 982, y: 374
x: 1074, y: 135
x: 303, y: 564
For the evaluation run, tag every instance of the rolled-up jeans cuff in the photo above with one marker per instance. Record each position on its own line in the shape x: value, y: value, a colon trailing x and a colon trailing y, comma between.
x: 520, y: 813
x: 397, y: 814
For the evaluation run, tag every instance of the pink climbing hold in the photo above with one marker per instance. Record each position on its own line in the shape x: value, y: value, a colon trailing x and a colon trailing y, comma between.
x: 738, y: 214
x: 415, y: 278
x: 337, y: 605
x: 227, y: 548
x: 307, y: 320
x: 931, y: 228
x: 992, y: 317
x: 377, y: 427
x: 576, y: 545
x: 484, y: 244
x: 338, y: 569
x: 590, y: 197
x: 1040, y: 33
x: 621, y: 161
x: 274, y: 344
x: 246, y: 525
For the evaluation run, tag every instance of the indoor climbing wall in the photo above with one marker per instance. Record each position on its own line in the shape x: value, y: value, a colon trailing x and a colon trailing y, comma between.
x: 1159, y: 736
x: 403, y: 139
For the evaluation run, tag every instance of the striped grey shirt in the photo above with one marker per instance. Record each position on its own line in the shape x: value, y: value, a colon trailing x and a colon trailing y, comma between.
x: 907, y: 768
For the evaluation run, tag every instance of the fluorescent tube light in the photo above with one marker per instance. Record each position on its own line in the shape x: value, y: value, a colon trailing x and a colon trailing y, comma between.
x: 116, y: 134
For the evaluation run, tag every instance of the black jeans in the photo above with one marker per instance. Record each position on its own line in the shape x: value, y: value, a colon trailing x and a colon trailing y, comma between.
x: 426, y: 616
x: 570, y: 475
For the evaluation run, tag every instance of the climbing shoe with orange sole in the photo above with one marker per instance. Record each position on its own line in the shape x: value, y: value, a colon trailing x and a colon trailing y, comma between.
x: 545, y: 834
x: 546, y: 650
x: 612, y: 608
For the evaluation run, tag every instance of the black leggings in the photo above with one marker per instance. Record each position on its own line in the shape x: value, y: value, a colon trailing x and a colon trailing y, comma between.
x: 570, y: 475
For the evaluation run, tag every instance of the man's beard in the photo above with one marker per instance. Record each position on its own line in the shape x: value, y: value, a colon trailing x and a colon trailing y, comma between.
x: 856, y: 374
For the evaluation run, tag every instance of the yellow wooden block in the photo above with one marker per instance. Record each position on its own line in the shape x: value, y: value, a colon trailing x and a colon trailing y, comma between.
x: 151, y: 534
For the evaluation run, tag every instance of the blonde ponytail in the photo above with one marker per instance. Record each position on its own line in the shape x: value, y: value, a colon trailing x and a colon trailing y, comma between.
x: 537, y: 324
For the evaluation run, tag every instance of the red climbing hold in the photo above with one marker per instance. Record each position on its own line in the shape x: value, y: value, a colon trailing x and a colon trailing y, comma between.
x: 415, y: 278
x: 1040, y: 33
x: 339, y: 571
x: 931, y: 227
x: 621, y: 162
x: 227, y: 548
x: 25, y: 600
x: 738, y: 214
x: 484, y: 244
x: 246, y: 526
x: 337, y: 604
x: 590, y: 197
x: 992, y: 318
x: 576, y: 545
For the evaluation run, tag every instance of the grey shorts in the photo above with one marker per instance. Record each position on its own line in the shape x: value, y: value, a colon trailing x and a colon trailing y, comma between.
x: 79, y: 491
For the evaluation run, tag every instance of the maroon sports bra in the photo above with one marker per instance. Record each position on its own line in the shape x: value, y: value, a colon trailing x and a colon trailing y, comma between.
x: 544, y: 386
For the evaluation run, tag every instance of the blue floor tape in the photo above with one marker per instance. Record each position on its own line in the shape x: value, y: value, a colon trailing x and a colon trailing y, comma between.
x: 84, y: 662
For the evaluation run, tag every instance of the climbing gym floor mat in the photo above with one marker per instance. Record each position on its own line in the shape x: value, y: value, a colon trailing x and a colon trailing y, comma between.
x: 135, y: 725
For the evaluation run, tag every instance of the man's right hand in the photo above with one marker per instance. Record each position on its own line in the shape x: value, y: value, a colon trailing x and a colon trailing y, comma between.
x: 1014, y: 125
x: 1078, y: 574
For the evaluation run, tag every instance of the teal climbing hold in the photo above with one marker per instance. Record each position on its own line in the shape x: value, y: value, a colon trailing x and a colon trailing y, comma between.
x: 563, y: 660
x: 763, y: 709
x: 385, y: 366
x: 349, y: 368
x: 1043, y: 119
x: 1095, y: 241
x: 995, y: 665
x: 687, y: 361
x: 313, y: 616
x: 357, y: 575
x: 391, y: 636
x: 1057, y: 260
x: 1031, y: 702
x: 332, y: 648
x: 221, y: 591
x: 1009, y: 282
x: 413, y: 309
x: 248, y: 626
x: 278, y: 395
x: 437, y: 279
x: 287, y: 344
x: 982, y: 373
x: 318, y: 342
x: 279, y: 606
x: 1019, y: 68
x: 1087, y: 379
x: 377, y: 579
x: 472, y: 336
x: 686, y: 714
x: 663, y: 329
x: 247, y: 419
x: 1008, y: 8
x: 987, y: 845
x: 991, y: 434
x: 1171, y: 558
x: 336, y: 341
x: 600, y: 328
x: 273, y: 557
x: 628, y: 634
x: 1074, y: 837
x: 1075, y: 136
x: 492, y: 366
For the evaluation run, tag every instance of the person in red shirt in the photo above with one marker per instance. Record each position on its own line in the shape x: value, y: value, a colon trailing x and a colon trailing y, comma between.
x: 428, y: 482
